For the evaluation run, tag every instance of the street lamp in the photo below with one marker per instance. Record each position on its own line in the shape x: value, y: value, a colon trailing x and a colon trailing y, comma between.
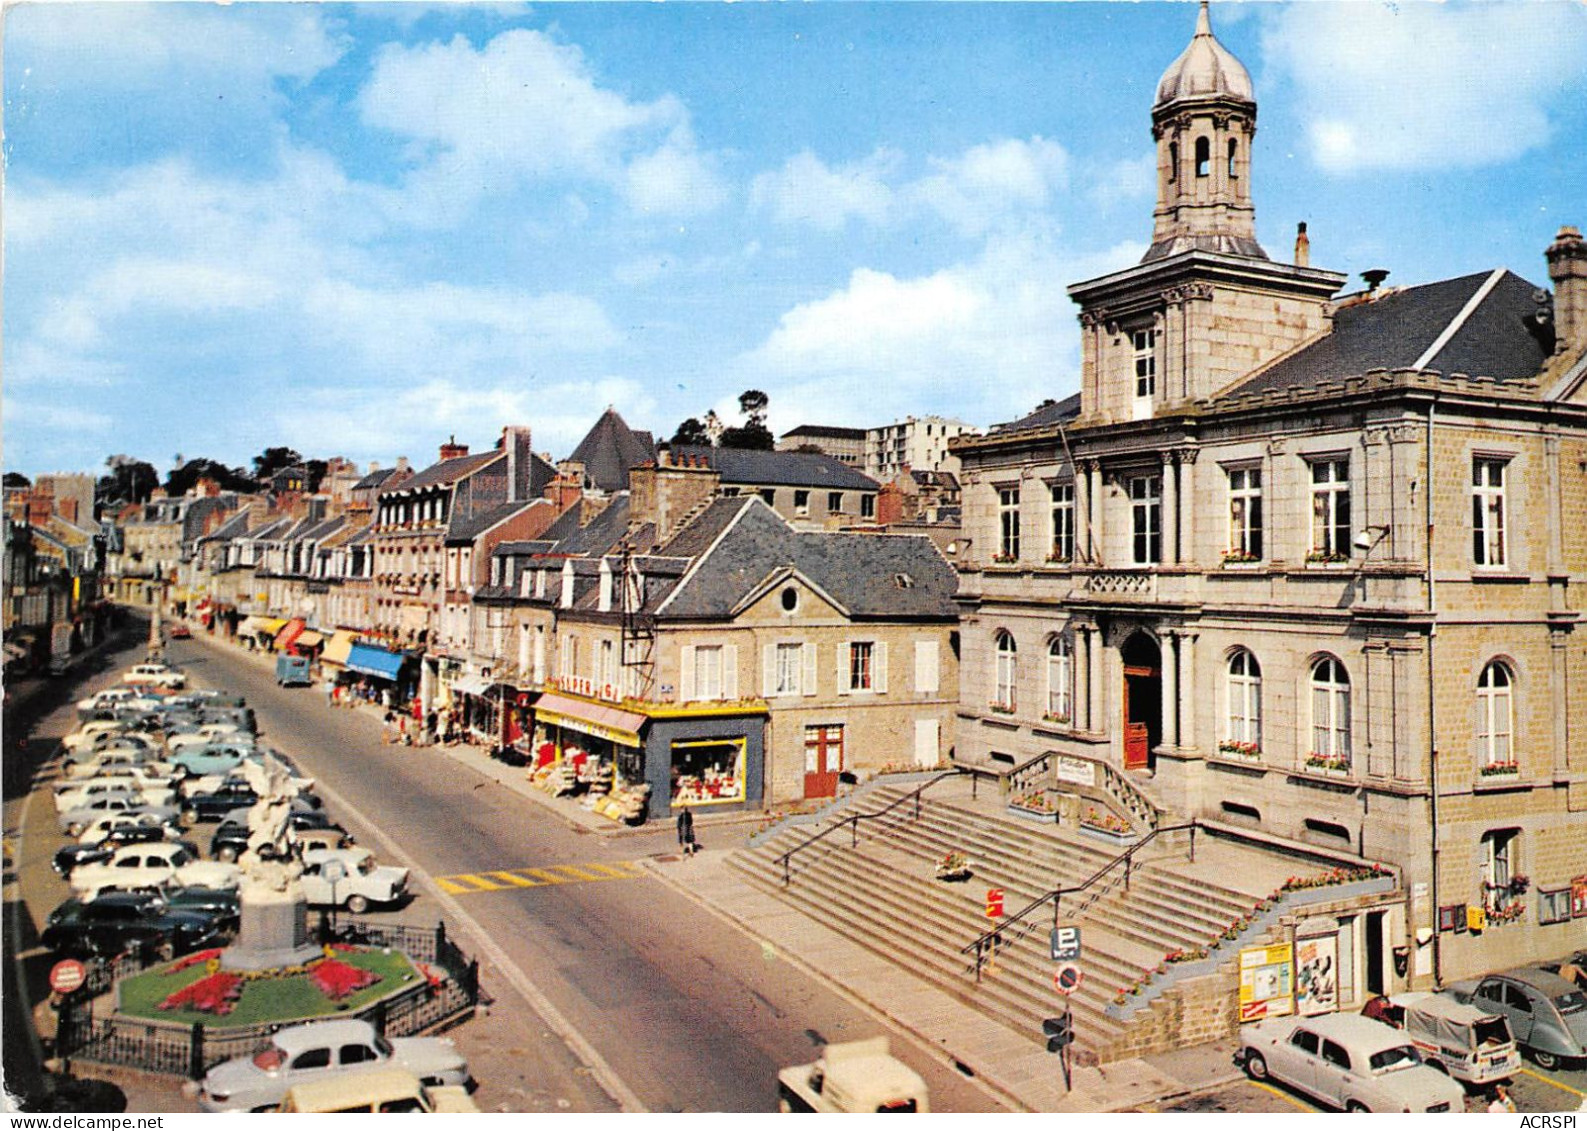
x: 1367, y: 539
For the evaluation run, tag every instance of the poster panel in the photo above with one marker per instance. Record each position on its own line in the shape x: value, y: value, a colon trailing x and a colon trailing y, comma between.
x: 1317, y: 975
x: 1266, y: 982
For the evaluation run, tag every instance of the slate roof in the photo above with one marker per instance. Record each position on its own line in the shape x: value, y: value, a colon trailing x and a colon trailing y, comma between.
x: 374, y: 478
x: 533, y: 546
x: 778, y: 469
x: 234, y: 527
x: 270, y: 530
x: 449, y: 471
x: 1059, y: 412
x: 1395, y: 330
x: 465, y: 527
x: 604, y: 531
x: 859, y: 571
x: 697, y: 537
x: 831, y: 431
x: 611, y: 449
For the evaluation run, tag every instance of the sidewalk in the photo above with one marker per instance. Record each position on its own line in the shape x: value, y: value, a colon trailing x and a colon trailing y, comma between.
x: 1013, y: 1066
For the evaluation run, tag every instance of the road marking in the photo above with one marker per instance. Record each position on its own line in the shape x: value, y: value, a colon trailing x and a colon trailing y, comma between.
x: 470, y: 883
x: 1556, y: 1083
x: 1285, y: 1096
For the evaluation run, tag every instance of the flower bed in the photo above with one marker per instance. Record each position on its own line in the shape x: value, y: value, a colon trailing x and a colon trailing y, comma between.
x: 1335, y: 764
x: 1038, y: 805
x: 215, y: 993
x: 337, y: 980
x: 1106, y: 825
x: 1244, y: 751
x: 1500, y: 769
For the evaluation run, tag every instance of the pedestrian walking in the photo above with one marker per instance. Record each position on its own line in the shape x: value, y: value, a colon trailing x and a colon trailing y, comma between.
x: 402, y: 730
x: 1501, y: 1102
x: 388, y: 730
x: 686, y: 830
x: 432, y: 723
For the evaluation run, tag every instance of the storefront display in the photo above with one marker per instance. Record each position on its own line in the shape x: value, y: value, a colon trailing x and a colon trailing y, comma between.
x: 708, y: 771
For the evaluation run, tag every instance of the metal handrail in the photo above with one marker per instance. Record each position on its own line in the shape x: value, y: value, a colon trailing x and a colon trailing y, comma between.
x: 990, y: 939
x: 854, y: 822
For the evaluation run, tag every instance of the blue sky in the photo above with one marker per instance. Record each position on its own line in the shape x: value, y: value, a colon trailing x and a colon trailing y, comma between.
x: 358, y: 229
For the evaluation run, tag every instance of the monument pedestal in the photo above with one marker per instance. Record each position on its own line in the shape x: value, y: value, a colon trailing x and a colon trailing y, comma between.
x: 274, y: 931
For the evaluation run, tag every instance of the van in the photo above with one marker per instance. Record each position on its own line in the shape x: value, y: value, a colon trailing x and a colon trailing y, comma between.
x: 854, y: 1076
x: 1471, y: 1044
x: 380, y: 1090
x: 293, y: 671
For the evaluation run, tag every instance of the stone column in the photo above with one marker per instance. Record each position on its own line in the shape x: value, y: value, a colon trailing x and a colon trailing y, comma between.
x: 1170, y: 497
x: 1098, y: 691
x: 1187, y: 672
x: 1170, y: 688
x: 1097, y: 486
x: 1187, y: 505
x: 1082, y: 661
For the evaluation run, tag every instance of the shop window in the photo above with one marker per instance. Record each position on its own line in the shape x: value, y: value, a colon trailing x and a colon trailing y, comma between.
x: 708, y: 771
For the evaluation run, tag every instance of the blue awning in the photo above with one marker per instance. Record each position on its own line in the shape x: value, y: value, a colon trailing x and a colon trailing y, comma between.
x: 377, y: 662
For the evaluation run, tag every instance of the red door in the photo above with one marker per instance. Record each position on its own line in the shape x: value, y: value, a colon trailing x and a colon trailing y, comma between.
x: 823, y: 760
x: 1137, y: 737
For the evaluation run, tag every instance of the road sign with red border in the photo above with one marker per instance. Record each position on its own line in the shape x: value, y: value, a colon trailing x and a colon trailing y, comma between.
x: 994, y: 903
x: 1066, y: 979
x: 67, y: 975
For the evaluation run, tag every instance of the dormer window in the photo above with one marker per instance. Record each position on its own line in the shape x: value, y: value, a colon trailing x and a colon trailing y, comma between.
x: 1203, y: 157
x: 903, y: 581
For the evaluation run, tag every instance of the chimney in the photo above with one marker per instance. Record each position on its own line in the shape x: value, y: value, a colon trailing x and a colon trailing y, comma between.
x: 402, y: 463
x: 1374, y: 278
x: 374, y: 466
x: 1302, y: 246
x: 520, y: 463
x: 452, y: 449
x: 1567, y: 268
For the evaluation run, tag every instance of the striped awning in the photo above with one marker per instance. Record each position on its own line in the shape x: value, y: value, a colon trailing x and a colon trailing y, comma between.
x: 338, y: 648
x: 609, y: 723
x: 289, y: 632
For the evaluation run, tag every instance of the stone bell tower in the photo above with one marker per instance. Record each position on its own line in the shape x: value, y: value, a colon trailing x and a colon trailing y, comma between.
x: 1203, y: 122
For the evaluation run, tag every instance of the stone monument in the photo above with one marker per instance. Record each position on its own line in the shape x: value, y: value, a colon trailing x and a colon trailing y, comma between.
x: 274, y: 929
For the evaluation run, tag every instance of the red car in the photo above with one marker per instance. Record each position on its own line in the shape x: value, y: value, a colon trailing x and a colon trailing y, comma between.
x: 181, y: 632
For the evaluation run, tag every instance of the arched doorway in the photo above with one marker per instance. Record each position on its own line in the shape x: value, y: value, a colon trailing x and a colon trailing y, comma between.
x: 1143, y: 701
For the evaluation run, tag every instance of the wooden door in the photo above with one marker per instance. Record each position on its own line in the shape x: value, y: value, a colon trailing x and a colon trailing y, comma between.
x: 823, y: 760
x: 1137, y: 734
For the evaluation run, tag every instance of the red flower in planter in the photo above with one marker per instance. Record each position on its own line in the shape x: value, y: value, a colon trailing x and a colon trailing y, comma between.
x: 214, y: 994
x: 336, y: 979
x: 197, y: 958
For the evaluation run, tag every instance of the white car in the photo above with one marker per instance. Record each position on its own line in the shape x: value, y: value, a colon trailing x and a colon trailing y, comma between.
x: 96, y: 732
x: 81, y: 791
x: 207, y: 733
x: 154, y: 675
x: 301, y: 1054
x: 361, y: 881
x: 120, y: 757
x: 118, y: 803
x: 1348, y: 1061
x: 100, y: 827
x: 152, y: 865
x: 108, y: 698
x: 103, y: 742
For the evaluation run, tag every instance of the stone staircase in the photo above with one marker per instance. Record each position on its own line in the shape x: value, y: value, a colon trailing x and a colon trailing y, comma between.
x: 883, y: 895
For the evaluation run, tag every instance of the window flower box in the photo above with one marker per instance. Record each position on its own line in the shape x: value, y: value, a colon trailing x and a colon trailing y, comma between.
x: 1001, y: 708
x: 1243, y: 751
x: 1326, y: 557
x: 1051, y: 717
x: 1060, y: 559
x: 1239, y: 557
x: 1004, y: 559
x: 1500, y: 769
x: 1334, y: 765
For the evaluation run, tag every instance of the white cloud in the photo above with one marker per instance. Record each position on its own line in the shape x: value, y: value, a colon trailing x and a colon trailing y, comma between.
x: 990, y: 184
x: 1124, y: 181
x: 808, y: 191
x: 1412, y: 86
x: 984, y: 340
x: 524, y: 108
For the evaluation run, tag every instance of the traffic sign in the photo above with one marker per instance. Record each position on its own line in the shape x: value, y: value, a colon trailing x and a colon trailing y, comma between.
x: 67, y: 975
x: 1064, y: 942
x: 1059, y: 1031
x: 1066, y: 979
x: 994, y: 903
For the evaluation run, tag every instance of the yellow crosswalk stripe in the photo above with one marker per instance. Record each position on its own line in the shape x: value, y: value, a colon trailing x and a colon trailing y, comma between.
x: 467, y: 883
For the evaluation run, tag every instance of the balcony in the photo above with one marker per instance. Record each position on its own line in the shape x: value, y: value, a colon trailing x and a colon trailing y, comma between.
x: 1132, y: 584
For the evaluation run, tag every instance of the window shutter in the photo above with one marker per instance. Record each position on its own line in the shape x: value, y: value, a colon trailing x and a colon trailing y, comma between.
x: 926, y: 670
x: 843, y: 667
x: 686, y: 673
x: 768, y: 671
x: 809, y: 656
x: 730, y: 671
x: 879, y: 662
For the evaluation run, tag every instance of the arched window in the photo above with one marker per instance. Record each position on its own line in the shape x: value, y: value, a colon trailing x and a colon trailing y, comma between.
x: 1245, y: 706
x: 1495, y: 716
x: 1330, y: 716
x: 1234, y: 148
x: 1173, y: 161
x: 1060, y: 676
x: 1007, y: 665
x: 1203, y: 157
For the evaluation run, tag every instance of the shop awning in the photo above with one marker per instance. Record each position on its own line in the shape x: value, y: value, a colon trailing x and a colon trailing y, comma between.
x: 265, y: 626
x: 308, y: 638
x: 471, y: 685
x: 609, y: 723
x: 378, y: 662
x: 289, y: 632
x: 337, y: 650
x: 248, y: 626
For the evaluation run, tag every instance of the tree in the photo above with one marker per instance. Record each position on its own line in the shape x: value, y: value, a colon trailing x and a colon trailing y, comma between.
x: 17, y: 479
x: 754, y: 436
x: 691, y: 432
x: 182, y: 479
x: 272, y: 460
x: 316, y: 474
x: 129, y: 481
x: 752, y: 403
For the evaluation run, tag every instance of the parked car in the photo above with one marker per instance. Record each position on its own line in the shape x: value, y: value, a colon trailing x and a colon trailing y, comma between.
x: 360, y: 881
x: 225, y: 904
x: 114, y: 803
x: 853, y: 1076
x: 125, y: 740
x: 214, y: 804
x: 1572, y: 969
x: 311, y: 828
x: 210, y: 782
x: 202, y: 734
x: 85, y: 794
x: 301, y: 1054
x: 152, y: 865
x: 220, y: 756
x: 120, y: 921
x: 1547, y: 1014
x: 98, y: 829
x: 1348, y: 1061
x: 72, y: 855
x: 383, y: 1091
x: 120, y: 755
x: 293, y: 671
x: 180, y: 631
x: 1472, y: 1045
x: 154, y: 675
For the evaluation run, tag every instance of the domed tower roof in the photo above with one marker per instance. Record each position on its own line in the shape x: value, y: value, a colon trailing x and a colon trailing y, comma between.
x: 1205, y: 69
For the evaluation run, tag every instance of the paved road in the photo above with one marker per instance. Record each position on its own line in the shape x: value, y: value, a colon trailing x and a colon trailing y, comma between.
x: 680, y: 1012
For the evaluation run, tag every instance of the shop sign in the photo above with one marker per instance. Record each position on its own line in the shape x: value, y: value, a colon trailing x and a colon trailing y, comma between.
x: 1076, y: 770
x: 584, y: 726
x: 994, y: 903
x: 1578, y: 897
x: 1266, y: 982
x: 1317, y: 975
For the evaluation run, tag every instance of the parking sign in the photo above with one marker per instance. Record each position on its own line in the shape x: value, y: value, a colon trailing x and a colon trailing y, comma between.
x: 1065, y: 944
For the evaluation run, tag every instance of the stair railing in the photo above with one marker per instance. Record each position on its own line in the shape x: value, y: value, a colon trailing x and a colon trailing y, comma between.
x: 986, y: 945
x: 1021, y: 776
x: 853, y: 822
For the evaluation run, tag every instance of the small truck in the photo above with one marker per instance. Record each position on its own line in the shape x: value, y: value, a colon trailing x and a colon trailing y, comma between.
x: 854, y: 1076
